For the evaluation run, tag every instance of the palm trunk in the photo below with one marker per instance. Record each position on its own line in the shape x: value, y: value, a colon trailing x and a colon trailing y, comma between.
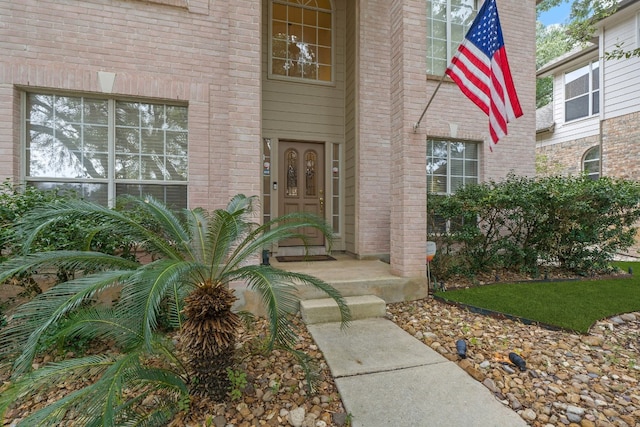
x: 208, y: 339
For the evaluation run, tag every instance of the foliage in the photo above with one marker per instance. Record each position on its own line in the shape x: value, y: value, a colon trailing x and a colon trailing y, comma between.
x: 17, y: 200
x: 551, y: 42
x: 572, y: 305
x: 519, y: 223
x: 584, y: 13
x: 238, y: 380
x: 188, y: 251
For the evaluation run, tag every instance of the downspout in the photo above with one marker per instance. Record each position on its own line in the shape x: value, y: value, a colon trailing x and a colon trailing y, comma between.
x: 601, y: 60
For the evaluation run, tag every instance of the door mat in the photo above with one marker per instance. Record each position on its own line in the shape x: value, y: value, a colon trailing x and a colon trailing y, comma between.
x: 299, y: 258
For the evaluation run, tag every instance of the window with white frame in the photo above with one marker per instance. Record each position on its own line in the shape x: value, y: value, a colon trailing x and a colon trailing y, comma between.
x: 103, y: 148
x: 591, y: 163
x: 451, y: 164
x: 447, y: 23
x: 582, y: 92
x: 301, y: 40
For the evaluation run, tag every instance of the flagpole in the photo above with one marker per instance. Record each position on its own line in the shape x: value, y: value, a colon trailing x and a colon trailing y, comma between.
x: 415, y: 127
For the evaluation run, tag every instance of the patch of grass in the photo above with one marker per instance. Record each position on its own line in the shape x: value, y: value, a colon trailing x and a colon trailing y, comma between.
x: 572, y: 305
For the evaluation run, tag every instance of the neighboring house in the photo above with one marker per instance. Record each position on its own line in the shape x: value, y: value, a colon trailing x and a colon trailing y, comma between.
x: 310, y: 104
x: 593, y: 123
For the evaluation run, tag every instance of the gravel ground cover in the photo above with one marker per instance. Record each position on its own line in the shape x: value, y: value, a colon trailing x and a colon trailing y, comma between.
x: 570, y: 380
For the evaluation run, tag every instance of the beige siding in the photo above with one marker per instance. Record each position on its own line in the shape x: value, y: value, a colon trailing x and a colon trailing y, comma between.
x: 565, y: 132
x: 296, y: 110
x: 621, y: 77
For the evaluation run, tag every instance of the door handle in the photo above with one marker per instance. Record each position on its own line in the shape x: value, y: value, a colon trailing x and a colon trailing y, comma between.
x: 321, y: 200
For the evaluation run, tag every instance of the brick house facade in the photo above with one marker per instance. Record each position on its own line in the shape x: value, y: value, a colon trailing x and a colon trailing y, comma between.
x: 607, y: 126
x: 216, y: 61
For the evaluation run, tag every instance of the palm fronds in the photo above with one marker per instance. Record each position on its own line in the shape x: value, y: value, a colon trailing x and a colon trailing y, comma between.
x: 195, y: 256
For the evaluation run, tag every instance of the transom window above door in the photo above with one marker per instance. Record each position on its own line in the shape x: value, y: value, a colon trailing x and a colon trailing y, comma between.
x: 301, y: 40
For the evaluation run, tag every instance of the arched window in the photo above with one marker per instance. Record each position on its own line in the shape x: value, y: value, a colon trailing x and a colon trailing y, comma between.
x: 301, y: 39
x: 591, y: 162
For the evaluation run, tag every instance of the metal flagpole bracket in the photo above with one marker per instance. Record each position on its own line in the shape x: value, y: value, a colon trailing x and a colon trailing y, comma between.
x: 417, y: 125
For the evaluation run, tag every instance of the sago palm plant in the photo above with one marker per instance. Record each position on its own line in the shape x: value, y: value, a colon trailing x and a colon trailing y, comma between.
x: 195, y: 256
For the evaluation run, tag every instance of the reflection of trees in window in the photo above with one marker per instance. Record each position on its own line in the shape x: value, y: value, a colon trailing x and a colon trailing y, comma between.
x: 591, y: 163
x: 301, y: 39
x: 66, y: 137
x: 447, y: 23
x: 151, y: 142
x: 69, y: 139
x: 450, y: 165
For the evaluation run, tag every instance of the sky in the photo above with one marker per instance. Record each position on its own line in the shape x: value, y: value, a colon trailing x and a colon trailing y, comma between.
x: 557, y: 15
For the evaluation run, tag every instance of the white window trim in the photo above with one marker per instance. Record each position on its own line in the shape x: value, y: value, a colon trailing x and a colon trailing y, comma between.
x: 585, y: 161
x: 590, y: 93
x: 638, y: 30
x: 449, y: 157
x: 110, y: 180
x: 450, y: 51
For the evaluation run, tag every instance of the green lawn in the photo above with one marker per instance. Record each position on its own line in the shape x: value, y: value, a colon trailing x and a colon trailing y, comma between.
x: 573, y: 305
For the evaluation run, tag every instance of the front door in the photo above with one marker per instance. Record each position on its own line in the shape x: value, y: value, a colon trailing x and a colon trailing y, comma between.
x: 301, y: 177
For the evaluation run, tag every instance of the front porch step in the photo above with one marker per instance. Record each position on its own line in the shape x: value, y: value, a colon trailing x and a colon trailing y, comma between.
x: 325, y: 310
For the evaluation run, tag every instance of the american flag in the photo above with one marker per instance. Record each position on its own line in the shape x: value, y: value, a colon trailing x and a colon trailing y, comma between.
x: 481, y: 70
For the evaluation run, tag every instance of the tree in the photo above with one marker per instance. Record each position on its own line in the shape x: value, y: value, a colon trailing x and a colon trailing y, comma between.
x: 551, y: 42
x: 584, y: 13
x: 196, y: 255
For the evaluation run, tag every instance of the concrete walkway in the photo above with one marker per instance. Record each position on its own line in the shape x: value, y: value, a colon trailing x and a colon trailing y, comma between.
x: 387, y: 378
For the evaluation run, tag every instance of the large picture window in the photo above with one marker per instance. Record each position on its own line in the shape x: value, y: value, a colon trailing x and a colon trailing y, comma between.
x: 582, y: 92
x: 301, y: 40
x: 102, y: 148
x: 447, y: 23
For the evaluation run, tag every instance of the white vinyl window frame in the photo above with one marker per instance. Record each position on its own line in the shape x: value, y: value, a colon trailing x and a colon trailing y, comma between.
x: 444, y: 33
x: 88, y: 147
x: 451, y: 164
x: 582, y: 102
x: 591, y: 162
x: 638, y: 30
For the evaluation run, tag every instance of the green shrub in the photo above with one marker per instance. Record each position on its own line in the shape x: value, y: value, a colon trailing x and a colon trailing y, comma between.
x: 574, y: 222
x: 18, y: 200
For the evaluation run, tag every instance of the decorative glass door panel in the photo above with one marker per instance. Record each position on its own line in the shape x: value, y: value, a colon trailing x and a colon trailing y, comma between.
x: 301, y: 188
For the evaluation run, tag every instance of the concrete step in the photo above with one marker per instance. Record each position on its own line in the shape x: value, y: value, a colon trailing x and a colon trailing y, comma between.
x: 325, y: 310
